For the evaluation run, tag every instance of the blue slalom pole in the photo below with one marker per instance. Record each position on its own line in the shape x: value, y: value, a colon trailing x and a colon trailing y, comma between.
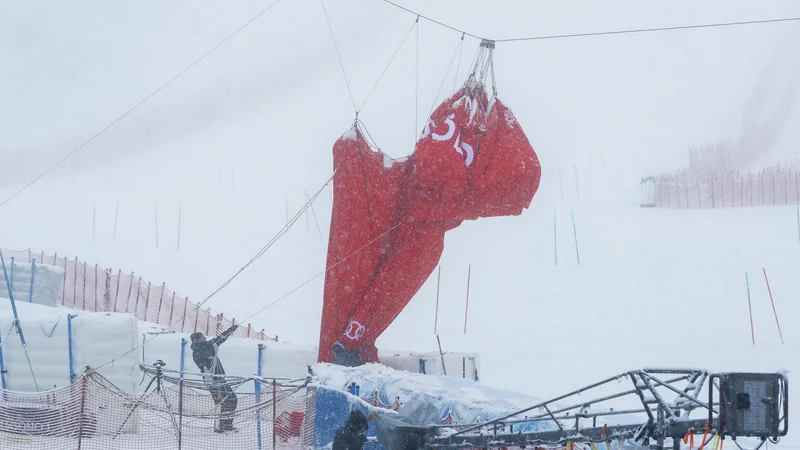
x: 258, y: 395
x: 33, y: 272
x: 69, y: 344
x: 183, y: 355
x: 575, y: 233
x: 11, y: 297
x: 12, y: 272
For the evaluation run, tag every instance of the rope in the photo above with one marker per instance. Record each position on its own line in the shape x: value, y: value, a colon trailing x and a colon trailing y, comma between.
x: 339, y: 56
x: 401, y: 222
x: 416, y: 89
x: 153, y: 94
x: 599, y: 33
x: 266, y: 247
x: 458, y: 66
x: 263, y: 250
x: 432, y: 20
x: 389, y: 64
x: 650, y: 30
x: 436, y: 99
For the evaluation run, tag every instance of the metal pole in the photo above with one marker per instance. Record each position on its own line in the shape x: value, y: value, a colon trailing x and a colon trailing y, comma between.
x: 83, y: 406
x: 180, y: 394
x: 183, y: 356
x: 274, y: 411
x: 2, y: 368
x: 33, y: 272
x: 258, y: 397
x: 436, y: 315
x: 11, y: 297
x: 69, y: 345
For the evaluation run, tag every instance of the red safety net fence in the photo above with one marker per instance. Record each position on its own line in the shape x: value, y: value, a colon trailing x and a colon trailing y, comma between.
x: 716, y: 177
x: 175, y: 414
x: 91, y: 288
x: 682, y: 190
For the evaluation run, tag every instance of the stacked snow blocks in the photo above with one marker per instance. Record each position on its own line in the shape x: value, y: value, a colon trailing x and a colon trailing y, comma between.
x: 32, y: 282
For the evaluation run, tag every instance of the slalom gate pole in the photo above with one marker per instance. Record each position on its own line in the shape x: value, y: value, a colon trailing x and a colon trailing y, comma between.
x: 33, y: 272
x: 69, y: 345
x: 466, y: 307
x: 258, y: 397
x: 180, y: 211
x: 774, y: 311
x: 441, y: 354
x: 11, y: 297
x: 575, y: 233
x: 750, y: 308
x: 436, y: 316
x: 155, y: 209
x: 116, y: 216
x: 555, y: 238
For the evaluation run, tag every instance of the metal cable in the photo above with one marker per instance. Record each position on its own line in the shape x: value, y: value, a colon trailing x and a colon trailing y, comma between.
x: 152, y: 94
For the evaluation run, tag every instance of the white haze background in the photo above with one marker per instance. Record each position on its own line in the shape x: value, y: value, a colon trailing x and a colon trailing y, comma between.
x: 253, y: 124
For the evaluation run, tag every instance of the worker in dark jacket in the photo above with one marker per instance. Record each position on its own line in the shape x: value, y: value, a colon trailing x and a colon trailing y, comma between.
x: 351, y: 435
x: 205, y: 354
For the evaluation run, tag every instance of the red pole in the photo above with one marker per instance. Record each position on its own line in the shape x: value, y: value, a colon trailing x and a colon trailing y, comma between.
x: 466, y: 308
x: 774, y: 311
x: 436, y: 317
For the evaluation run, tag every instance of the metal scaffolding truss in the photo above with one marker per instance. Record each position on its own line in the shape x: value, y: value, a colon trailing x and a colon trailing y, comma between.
x: 654, y: 405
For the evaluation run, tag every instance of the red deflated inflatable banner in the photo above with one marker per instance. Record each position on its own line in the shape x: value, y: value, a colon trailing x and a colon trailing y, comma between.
x: 390, y: 216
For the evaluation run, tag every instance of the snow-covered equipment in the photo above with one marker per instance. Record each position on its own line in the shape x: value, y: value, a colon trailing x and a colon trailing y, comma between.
x: 735, y: 405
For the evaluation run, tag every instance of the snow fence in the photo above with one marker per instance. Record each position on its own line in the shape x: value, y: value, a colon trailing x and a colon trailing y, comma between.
x: 91, y: 288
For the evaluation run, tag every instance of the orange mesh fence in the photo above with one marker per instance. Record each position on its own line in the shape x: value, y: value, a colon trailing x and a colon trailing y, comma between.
x: 174, y: 414
x: 683, y: 190
x: 91, y: 288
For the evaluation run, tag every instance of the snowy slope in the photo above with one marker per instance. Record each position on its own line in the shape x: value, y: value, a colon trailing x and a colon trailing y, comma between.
x: 254, y: 125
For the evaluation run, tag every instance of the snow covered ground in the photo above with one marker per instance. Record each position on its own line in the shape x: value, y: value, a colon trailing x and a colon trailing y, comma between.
x: 253, y: 125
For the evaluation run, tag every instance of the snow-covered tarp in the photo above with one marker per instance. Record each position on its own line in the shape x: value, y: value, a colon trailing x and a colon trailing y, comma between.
x: 44, y: 289
x: 466, y: 400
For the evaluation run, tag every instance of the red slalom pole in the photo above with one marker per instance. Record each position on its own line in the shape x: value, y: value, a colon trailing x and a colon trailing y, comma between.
x: 774, y: 311
x: 466, y: 308
x: 750, y: 307
x: 436, y: 317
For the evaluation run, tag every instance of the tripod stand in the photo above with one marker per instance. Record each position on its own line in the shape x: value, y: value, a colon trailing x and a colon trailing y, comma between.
x: 157, y: 378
